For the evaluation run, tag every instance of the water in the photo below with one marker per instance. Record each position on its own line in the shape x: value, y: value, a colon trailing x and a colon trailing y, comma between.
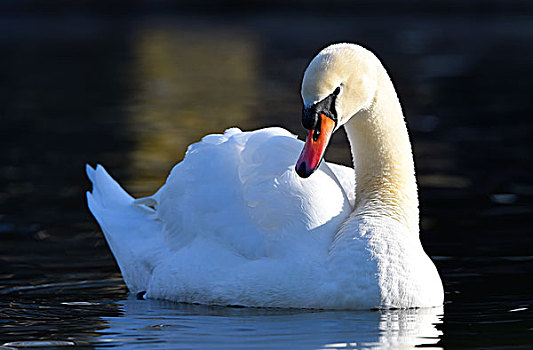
x: 132, y: 92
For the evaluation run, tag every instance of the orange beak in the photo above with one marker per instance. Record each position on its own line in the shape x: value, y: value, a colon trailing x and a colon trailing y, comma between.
x: 315, y: 147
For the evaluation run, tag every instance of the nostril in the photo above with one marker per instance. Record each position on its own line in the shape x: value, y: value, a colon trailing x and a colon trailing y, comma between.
x: 316, y: 134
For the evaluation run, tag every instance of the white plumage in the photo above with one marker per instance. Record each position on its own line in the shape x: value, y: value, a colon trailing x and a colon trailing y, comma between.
x: 234, y: 224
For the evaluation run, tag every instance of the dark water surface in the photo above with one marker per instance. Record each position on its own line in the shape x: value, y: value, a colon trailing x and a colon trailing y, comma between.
x: 132, y: 93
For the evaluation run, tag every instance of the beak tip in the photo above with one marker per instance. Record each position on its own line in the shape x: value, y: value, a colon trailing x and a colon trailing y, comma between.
x: 302, y: 171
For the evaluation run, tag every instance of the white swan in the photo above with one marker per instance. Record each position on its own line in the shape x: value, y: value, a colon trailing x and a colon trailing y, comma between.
x: 235, y: 224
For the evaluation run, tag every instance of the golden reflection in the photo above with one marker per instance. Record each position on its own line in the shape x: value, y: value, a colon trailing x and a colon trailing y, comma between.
x: 190, y: 83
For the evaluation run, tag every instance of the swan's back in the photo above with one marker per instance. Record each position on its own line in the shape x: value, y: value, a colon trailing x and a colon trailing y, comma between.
x: 240, y: 190
x: 233, y: 212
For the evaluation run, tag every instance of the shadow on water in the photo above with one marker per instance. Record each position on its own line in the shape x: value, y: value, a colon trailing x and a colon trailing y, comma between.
x: 133, y: 92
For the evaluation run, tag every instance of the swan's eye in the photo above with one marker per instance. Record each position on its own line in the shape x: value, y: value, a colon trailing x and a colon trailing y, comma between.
x: 337, y: 91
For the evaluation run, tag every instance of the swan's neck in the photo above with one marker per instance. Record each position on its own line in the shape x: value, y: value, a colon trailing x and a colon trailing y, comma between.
x: 381, y: 151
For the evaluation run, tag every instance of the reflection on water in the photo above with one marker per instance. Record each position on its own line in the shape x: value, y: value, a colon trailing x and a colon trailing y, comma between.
x: 189, y: 83
x: 155, y: 324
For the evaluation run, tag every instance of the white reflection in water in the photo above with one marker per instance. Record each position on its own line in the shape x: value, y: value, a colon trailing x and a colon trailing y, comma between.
x: 161, y: 325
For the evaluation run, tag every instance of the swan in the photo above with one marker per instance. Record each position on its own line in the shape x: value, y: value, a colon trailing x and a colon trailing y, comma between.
x: 251, y: 219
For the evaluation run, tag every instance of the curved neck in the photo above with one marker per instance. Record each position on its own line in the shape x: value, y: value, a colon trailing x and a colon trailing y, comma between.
x: 383, y: 162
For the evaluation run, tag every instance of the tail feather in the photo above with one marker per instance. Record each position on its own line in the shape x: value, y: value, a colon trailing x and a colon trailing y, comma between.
x: 90, y: 172
x: 106, y: 191
x: 133, y: 234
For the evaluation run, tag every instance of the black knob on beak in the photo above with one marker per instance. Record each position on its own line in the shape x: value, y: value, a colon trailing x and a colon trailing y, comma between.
x: 309, y: 118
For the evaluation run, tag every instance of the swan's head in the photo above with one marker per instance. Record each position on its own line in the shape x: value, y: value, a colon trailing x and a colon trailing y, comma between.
x: 339, y: 82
